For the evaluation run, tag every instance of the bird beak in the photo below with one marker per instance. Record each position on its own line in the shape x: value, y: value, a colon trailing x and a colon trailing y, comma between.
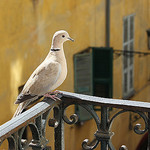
x: 69, y: 38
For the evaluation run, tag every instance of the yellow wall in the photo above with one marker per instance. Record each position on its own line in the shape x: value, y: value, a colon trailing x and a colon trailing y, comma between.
x: 26, y: 29
x: 140, y: 9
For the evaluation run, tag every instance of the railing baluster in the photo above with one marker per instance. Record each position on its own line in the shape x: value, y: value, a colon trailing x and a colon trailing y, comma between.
x: 104, y: 123
x: 16, y: 139
x: 148, y: 147
x: 38, y: 121
x: 59, y: 132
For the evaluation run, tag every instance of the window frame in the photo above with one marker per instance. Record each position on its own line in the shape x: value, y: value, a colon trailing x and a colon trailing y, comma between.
x: 128, y: 86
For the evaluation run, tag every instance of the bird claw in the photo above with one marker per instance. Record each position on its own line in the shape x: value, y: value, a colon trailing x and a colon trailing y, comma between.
x: 55, y: 92
x: 54, y: 97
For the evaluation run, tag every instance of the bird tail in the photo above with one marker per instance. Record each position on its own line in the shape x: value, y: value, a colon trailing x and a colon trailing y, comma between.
x: 20, y: 108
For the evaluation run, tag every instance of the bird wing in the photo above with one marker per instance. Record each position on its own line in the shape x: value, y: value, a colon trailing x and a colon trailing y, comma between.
x: 40, y: 82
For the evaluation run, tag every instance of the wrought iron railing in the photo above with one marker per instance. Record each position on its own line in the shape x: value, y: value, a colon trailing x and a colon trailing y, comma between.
x: 37, y: 117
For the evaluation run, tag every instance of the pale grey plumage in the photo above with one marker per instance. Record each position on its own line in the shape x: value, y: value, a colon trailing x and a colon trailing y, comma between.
x: 49, y: 75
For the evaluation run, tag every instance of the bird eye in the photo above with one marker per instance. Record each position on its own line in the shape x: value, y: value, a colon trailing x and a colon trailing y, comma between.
x: 63, y: 36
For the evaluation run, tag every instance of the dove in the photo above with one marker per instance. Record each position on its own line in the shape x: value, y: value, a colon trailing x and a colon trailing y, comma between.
x: 49, y: 75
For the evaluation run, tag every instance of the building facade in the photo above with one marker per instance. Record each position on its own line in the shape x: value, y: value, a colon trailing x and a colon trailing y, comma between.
x: 118, y: 26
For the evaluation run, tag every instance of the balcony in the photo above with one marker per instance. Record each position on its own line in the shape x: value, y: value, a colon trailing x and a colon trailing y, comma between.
x: 37, y: 117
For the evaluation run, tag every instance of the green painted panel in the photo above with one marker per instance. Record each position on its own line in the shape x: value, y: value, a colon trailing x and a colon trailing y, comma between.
x: 102, y: 71
x: 83, y: 73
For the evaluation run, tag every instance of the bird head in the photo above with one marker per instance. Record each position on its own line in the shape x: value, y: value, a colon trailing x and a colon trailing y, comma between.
x: 60, y: 37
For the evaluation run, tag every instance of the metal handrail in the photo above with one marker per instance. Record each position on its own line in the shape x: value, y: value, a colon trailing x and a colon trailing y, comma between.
x: 23, y: 119
x: 109, y: 102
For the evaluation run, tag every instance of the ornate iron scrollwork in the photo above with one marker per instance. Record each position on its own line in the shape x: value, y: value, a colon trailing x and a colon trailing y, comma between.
x: 73, y: 118
x: 86, y: 146
x: 102, y: 135
x: 137, y: 127
x: 54, y: 122
x: 11, y: 142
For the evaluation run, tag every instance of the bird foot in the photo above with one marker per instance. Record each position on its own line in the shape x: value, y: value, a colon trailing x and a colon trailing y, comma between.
x: 55, y: 92
x: 53, y: 95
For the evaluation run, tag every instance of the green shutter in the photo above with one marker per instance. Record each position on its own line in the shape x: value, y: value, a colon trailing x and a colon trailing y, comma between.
x: 102, y: 71
x: 93, y: 75
x: 83, y: 73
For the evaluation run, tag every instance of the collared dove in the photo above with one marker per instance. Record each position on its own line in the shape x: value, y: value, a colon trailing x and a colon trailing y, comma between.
x: 49, y: 75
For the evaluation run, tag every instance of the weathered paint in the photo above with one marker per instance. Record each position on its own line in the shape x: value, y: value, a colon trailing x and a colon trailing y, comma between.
x: 141, y: 11
x: 26, y: 30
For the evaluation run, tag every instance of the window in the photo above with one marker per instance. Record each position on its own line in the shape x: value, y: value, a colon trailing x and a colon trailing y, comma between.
x: 128, y: 45
x: 93, y: 72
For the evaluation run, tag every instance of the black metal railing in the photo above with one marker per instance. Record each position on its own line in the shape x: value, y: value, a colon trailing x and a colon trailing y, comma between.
x: 36, y: 119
